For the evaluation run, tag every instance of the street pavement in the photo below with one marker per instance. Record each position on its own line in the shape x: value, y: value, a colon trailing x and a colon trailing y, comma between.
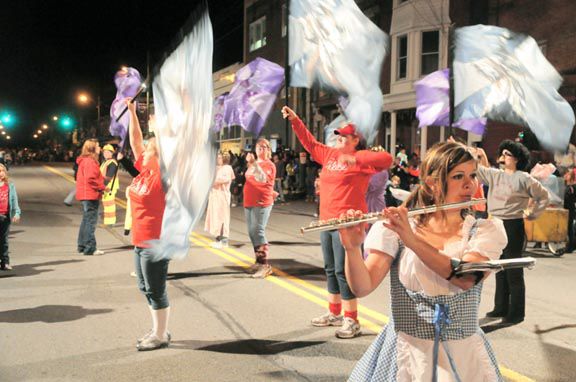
x: 68, y: 317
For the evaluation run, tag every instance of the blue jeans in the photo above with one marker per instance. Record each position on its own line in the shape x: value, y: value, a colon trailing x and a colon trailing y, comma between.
x: 4, y: 231
x: 86, y: 237
x: 257, y: 218
x: 151, y: 277
x: 334, y: 254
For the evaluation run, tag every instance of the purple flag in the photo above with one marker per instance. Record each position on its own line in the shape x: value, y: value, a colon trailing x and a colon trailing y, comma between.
x: 253, y: 95
x: 433, y: 104
x: 128, y: 82
x: 432, y: 99
x: 218, y: 112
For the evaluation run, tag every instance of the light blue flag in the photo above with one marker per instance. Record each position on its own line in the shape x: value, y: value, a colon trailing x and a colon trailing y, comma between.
x: 332, y: 42
x: 503, y: 76
x: 183, y: 98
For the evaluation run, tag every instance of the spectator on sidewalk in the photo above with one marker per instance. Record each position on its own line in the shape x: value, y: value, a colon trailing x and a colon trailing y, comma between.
x: 280, y: 175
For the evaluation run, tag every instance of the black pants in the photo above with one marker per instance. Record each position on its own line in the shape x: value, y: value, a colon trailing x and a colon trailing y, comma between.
x: 4, y: 231
x: 510, y: 298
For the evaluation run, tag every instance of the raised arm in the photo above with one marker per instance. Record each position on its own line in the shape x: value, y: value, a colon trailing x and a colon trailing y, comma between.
x: 134, y: 131
x: 310, y: 144
x: 540, y: 198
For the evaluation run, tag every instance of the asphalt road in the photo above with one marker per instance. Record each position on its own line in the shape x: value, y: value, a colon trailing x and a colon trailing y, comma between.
x: 66, y: 317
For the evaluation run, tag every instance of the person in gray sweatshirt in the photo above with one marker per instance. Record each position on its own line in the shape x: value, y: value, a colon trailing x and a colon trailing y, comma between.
x: 513, y: 195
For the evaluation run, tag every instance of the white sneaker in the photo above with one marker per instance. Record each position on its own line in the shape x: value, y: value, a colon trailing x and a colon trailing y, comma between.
x: 95, y: 253
x: 216, y: 244
x: 350, y: 329
x: 328, y: 319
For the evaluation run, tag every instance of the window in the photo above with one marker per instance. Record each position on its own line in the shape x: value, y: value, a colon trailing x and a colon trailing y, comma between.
x: 430, y: 52
x: 402, y: 62
x: 257, y: 34
x: 284, y: 20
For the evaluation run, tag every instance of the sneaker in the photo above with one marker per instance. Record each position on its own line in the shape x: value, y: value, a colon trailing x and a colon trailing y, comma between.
x: 254, y: 268
x: 97, y: 253
x: 145, y: 336
x: 350, y: 329
x: 264, y: 271
x: 133, y: 274
x: 328, y: 319
x: 233, y: 205
x: 152, y: 342
x: 224, y: 243
x: 216, y: 244
x: 7, y: 267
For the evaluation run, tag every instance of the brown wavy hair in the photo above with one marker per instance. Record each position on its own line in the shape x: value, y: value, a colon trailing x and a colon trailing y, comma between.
x: 437, y: 164
x: 89, y: 149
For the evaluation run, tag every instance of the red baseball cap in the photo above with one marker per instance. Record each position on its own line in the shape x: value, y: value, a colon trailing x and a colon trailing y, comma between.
x: 348, y: 129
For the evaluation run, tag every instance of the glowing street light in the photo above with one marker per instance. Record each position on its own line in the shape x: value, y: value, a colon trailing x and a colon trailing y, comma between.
x: 39, y: 131
x: 83, y: 98
x: 54, y: 118
x: 8, y: 137
x: 45, y: 126
x: 3, y: 132
x: 35, y: 136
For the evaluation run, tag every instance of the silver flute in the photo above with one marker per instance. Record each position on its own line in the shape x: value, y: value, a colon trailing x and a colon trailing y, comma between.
x: 330, y: 224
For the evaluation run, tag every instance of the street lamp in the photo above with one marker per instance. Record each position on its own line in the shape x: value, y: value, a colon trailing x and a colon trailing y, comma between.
x: 45, y: 126
x: 8, y: 137
x: 35, y: 136
x: 54, y: 118
x: 83, y: 98
x: 39, y: 132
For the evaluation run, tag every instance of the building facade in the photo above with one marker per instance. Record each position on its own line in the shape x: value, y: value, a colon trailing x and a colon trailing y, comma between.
x: 419, y: 33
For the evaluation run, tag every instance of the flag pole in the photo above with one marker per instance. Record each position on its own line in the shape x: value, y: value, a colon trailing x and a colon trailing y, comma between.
x: 451, y: 78
x: 287, y: 68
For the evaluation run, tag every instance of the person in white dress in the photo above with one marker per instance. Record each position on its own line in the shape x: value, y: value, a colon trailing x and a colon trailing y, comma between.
x: 218, y: 210
x: 433, y: 334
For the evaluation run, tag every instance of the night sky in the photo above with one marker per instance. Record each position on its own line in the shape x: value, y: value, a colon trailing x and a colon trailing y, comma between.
x: 50, y: 50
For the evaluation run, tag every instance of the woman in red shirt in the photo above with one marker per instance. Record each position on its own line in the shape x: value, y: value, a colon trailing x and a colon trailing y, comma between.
x: 346, y: 172
x: 147, y: 202
x: 89, y: 187
x: 258, y: 201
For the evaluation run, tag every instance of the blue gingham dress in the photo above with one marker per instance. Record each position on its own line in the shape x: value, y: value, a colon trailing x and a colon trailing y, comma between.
x: 413, y: 314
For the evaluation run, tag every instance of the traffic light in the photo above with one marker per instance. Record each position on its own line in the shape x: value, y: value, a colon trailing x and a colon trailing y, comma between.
x: 67, y: 123
x: 8, y: 118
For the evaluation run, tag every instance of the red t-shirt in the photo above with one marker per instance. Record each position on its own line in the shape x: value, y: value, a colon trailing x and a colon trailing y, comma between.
x: 147, y: 202
x: 342, y: 187
x: 260, y: 194
x: 4, y: 198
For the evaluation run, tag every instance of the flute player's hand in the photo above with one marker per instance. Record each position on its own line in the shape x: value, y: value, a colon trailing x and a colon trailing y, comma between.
x: 353, y: 236
x: 397, y: 221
